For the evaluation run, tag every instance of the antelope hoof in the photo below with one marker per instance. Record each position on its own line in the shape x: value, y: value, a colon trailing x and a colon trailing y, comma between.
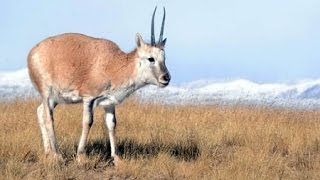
x: 116, y: 160
x: 54, y: 157
x: 81, y: 158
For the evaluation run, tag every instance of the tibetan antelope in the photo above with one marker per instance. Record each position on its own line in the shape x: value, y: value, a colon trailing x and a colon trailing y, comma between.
x: 75, y: 68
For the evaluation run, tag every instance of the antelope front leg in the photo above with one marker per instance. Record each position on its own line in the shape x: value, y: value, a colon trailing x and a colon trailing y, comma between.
x: 110, y: 118
x: 86, y: 123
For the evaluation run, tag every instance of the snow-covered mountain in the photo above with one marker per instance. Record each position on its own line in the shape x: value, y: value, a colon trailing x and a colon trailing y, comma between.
x: 303, y: 94
x: 15, y: 84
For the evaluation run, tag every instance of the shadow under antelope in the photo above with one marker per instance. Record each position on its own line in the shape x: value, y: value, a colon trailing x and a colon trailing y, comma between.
x: 75, y: 68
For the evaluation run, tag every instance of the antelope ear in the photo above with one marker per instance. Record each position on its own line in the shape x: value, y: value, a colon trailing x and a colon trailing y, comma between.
x: 139, y: 41
x: 163, y: 42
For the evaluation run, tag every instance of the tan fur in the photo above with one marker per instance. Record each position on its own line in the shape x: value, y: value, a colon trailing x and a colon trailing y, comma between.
x: 76, y: 61
x: 74, y: 68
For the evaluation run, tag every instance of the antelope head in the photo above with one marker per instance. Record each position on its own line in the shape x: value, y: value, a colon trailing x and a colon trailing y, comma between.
x: 151, y: 57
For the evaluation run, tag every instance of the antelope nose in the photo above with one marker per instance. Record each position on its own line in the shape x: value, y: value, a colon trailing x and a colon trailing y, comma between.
x: 166, y: 77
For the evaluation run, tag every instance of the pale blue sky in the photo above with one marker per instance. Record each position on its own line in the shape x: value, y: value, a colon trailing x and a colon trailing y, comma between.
x: 263, y: 41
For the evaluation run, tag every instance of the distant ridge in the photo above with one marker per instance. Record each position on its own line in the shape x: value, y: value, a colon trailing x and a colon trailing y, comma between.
x: 302, y: 94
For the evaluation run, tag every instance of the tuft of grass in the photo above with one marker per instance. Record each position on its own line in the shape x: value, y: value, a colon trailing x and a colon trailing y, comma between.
x: 166, y: 142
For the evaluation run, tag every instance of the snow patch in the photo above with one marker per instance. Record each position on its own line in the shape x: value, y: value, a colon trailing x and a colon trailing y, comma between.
x: 301, y: 94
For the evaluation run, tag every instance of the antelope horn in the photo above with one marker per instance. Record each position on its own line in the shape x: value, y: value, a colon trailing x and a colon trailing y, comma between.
x: 153, y: 40
x: 162, y: 26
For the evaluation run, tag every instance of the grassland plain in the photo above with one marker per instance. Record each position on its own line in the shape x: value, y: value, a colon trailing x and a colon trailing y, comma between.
x: 166, y: 142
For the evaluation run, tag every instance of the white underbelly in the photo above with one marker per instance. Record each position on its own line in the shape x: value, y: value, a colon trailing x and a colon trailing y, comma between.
x: 67, y: 97
x: 112, y: 99
x: 105, y: 99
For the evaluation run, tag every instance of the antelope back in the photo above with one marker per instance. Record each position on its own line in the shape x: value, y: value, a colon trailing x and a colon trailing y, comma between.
x: 83, y: 63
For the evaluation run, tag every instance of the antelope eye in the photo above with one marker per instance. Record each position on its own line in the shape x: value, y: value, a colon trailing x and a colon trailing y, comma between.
x: 151, y: 59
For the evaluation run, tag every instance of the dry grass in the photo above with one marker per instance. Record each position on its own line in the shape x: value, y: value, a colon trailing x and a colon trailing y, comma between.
x: 166, y: 142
